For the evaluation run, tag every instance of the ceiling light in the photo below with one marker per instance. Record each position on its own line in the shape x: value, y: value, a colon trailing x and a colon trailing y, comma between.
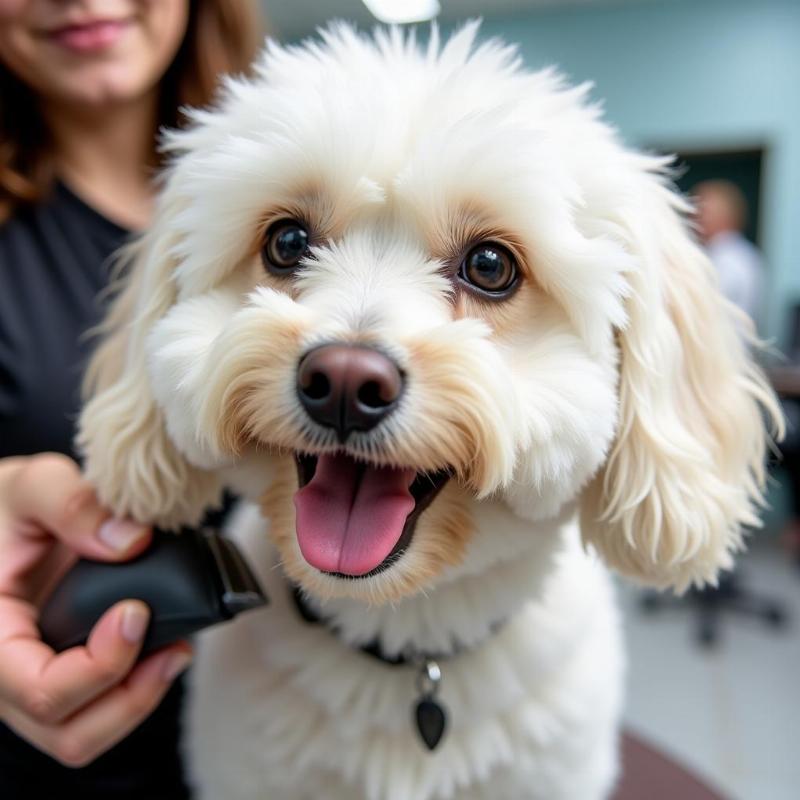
x: 403, y: 11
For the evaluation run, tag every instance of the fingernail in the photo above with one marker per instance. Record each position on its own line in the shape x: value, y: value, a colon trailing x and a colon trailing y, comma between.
x: 120, y: 534
x: 175, y: 665
x: 135, y: 617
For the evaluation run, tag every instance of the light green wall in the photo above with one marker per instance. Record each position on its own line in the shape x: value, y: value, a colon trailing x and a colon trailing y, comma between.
x: 692, y: 75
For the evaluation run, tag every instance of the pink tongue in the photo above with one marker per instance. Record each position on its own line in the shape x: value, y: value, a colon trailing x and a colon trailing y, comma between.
x: 349, y: 518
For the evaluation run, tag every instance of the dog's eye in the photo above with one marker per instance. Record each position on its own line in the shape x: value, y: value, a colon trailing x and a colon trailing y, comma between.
x: 286, y: 243
x: 490, y: 268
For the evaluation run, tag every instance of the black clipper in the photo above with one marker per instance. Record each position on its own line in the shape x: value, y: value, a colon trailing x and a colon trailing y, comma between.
x: 189, y: 581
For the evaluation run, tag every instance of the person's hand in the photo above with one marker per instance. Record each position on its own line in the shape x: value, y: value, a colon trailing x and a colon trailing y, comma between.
x: 77, y: 704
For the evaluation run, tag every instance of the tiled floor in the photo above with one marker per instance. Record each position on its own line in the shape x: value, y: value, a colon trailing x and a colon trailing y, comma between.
x: 733, y: 713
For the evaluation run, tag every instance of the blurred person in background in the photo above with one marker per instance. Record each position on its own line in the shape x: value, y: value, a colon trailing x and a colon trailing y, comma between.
x: 721, y: 217
x: 84, y: 87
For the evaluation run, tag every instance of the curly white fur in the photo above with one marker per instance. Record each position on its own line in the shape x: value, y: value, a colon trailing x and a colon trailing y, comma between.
x: 612, y: 388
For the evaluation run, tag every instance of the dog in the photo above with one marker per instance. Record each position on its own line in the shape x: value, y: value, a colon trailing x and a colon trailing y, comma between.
x: 457, y: 350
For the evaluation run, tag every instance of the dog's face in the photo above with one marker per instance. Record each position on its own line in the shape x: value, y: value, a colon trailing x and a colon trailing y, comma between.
x: 387, y: 285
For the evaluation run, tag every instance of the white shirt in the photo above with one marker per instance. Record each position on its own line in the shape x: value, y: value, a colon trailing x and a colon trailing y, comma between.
x: 738, y: 265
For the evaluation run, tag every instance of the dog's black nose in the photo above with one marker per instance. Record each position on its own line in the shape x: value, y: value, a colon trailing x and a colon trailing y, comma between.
x: 348, y: 388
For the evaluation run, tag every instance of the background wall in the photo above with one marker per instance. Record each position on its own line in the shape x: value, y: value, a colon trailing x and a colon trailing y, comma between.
x: 689, y: 75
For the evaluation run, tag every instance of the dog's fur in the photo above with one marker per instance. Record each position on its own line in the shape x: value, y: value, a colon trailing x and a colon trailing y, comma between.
x: 608, y: 409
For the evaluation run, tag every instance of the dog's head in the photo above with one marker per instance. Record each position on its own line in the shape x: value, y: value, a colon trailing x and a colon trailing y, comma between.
x: 412, y: 280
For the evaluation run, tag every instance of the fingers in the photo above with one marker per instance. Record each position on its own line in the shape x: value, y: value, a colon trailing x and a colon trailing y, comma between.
x: 48, y: 687
x: 99, y: 726
x: 79, y: 703
x: 79, y: 675
x: 50, y: 492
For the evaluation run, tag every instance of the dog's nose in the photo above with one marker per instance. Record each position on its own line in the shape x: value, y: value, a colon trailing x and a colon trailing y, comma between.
x: 348, y: 388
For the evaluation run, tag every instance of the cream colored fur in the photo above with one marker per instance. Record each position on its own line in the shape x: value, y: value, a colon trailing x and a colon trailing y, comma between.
x: 611, y: 390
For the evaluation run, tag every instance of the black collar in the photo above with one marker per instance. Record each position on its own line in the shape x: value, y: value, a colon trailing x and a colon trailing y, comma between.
x: 372, y: 648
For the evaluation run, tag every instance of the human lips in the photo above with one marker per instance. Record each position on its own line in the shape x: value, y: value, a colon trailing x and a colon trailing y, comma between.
x: 90, y: 36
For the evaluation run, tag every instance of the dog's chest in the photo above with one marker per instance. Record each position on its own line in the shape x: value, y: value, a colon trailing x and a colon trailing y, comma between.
x: 283, y: 709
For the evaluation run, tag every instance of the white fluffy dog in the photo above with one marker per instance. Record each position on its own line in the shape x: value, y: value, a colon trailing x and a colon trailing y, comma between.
x: 455, y: 345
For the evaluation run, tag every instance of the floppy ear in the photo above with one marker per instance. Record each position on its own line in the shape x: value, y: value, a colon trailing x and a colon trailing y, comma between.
x: 686, y: 472
x: 129, y: 458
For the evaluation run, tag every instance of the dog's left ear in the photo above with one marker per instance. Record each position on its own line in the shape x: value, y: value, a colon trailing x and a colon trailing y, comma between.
x: 686, y: 472
x: 128, y: 455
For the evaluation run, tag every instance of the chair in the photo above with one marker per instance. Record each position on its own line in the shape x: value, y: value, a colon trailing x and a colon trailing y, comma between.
x: 711, y: 603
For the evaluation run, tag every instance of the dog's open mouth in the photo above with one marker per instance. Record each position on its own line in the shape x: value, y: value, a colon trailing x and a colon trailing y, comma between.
x: 356, y: 519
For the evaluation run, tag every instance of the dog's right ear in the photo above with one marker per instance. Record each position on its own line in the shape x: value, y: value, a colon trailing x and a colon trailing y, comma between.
x: 129, y: 457
x: 686, y: 474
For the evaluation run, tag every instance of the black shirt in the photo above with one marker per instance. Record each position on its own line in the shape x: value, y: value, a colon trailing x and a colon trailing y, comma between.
x: 53, y: 266
x: 54, y: 262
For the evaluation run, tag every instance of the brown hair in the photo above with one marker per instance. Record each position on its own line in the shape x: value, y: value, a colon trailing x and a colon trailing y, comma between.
x: 221, y: 37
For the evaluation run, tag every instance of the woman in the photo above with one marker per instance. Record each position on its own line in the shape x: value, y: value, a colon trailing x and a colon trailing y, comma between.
x: 84, y: 86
